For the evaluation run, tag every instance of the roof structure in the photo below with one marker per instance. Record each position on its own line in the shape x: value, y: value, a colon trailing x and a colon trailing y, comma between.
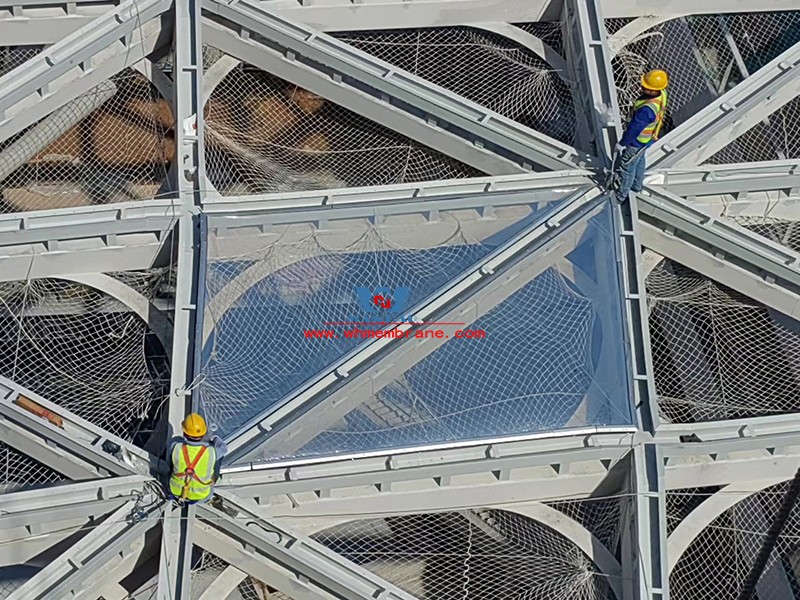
x: 371, y: 243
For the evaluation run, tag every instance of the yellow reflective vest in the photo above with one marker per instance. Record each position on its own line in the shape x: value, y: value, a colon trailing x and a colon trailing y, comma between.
x: 192, y: 471
x: 658, y: 105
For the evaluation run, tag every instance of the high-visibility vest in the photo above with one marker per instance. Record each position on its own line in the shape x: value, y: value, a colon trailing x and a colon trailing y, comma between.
x: 658, y: 105
x: 192, y: 471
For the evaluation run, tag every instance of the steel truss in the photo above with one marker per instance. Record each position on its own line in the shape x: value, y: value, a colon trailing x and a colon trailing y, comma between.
x: 112, y: 508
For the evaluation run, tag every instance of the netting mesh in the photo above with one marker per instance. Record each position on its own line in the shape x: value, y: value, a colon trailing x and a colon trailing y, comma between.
x: 112, y: 144
x: 561, y: 369
x: 83, y: 350
x: 679, y: 503
x: 786, y: 233
x: 707, y: 56
x: 13, y: 56
x: 203, y: 574
x: 477, y: 554
x: 20, y: 472
x: 483, y: 67
x: 602, y: 517
x: 265, y: 135
x: 716, y: 353
x: 727, y: 547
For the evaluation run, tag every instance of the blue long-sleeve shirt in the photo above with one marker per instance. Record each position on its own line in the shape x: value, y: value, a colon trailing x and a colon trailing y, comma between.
x: 220, y: 447
x: 641, y: 119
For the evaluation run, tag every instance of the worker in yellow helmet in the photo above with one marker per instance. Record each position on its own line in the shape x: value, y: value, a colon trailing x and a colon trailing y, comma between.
x: 195, y: 464
x: 643, y: 129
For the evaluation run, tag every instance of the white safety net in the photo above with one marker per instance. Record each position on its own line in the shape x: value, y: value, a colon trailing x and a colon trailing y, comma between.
x: 718, y: 354
x: 680, y: 503
x: 717, y: 562
x: 706, y: 56
x: 112, y: 144
x: 482, y: 66
x: 470, y: 554
x: 20, y: 472
x: 781, y: 231
x: 85, y: 351
x: 265, y: 135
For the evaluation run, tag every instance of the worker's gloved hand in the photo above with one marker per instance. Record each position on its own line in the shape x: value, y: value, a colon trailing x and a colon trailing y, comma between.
x: 619, y: 148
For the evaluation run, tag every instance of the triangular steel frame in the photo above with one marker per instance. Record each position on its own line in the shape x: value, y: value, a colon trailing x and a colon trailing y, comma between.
x: 678, y: 216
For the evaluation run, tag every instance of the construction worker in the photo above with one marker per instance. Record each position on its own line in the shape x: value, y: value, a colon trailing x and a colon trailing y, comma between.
x: 643, y: 130
x: 195, y: 464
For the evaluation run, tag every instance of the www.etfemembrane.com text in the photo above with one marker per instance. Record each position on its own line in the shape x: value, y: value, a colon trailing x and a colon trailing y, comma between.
x: 361, y: 334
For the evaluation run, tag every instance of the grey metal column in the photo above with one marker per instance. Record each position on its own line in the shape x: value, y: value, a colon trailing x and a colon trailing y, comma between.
x: 589, y: 63
x: 176, y: 544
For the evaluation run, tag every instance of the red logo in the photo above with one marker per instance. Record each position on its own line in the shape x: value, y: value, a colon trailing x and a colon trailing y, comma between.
x: 382, y: 301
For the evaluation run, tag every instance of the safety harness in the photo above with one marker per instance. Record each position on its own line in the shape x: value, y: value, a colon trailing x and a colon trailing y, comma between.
x: 188, y: 474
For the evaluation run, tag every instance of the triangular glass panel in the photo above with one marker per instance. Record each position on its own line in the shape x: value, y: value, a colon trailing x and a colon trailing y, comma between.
x: 279, y: 296
x: 540, y: 347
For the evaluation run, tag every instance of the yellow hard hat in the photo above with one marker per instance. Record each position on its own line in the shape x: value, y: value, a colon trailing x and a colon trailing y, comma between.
x: 655, y: 80
x: 194, y: 426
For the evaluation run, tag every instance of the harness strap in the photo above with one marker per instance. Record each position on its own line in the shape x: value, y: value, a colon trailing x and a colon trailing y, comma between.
x: 188, y: 474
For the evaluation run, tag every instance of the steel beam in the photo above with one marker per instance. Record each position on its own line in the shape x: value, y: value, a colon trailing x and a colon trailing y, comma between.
x: 285, y: 412
x: 44, y: 30
x: 65, y: 440
x: 346, y: 15
x: 726, y: 118
x: 174, y: 581
x: 733, y: 180
x: 33, y: 521
x: 31, y: 508
x: 394, y: 91
x: 644, y: 558
x: 473, y: 191
x: 589, y: 60
x: 724, y: 270
x: 546, y: 466
x: 80, y: 567
x: 264, y: 541
x: 84, y: 240
x: 674, y: 215
x: 78, y: 63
